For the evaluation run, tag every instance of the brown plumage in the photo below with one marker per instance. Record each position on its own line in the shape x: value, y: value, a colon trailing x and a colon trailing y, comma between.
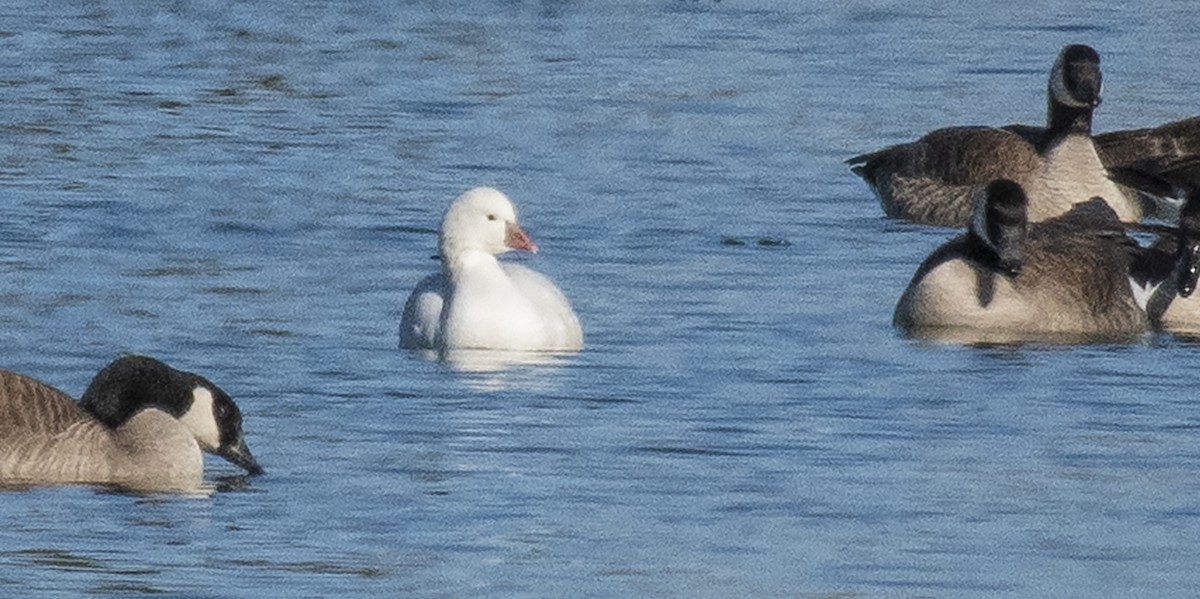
x: 1072, y: 282
x: 1153, y: 149
x: 932, y: 180
x: 142, y: 426
x: 31, y: 405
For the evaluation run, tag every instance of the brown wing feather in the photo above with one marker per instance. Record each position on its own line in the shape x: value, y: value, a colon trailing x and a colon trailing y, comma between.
x: 31, y: 405
x: 932, y: 180
x: 1141, y: 147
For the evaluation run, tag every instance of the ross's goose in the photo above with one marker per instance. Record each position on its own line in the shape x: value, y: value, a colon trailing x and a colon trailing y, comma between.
x: 478, y: 302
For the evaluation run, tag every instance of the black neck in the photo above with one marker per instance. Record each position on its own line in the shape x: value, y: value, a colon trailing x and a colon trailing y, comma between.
x: 982, y: 253
x: 132, y: 383
x: 1063, y: 120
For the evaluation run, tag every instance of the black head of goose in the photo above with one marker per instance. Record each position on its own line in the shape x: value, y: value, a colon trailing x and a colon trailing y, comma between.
x: 141, y: 425
x: 935, y: 179
x: 997, y: 232
x: 1187, y: 271
x: 1005, y: 279
x: 1075, y: 88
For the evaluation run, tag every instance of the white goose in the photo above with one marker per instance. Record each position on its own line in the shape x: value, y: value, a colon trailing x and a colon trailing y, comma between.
x: 478, y: 302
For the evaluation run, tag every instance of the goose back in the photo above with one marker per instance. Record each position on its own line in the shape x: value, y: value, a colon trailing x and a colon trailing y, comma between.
x: 1074, y: 280
x: 46, y: 438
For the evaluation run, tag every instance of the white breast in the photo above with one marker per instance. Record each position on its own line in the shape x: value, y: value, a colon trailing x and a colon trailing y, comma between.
x: 1072, y: 173
x: 509, y: 307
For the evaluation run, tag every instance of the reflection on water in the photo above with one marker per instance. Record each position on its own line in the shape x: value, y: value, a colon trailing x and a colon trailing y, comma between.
x: 56, y: 559
x: 205, y: 490
x: 478, y: 360
x: 497, y: 370
x: 997, y: 338
x: 314, y: 567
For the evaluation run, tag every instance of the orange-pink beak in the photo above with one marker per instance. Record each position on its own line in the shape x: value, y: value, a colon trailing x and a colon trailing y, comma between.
x: 516, y: 238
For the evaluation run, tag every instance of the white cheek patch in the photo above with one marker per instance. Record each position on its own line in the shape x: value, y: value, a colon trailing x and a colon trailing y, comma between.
x: 1058, y: 86
x: 979, y: 220
x: 201, y: 420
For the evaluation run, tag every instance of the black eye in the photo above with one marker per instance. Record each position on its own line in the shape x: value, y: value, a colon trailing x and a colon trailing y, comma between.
x: 491, y: 217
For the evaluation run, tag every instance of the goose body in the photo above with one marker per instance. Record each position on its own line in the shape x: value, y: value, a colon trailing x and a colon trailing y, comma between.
x: 478, y: 302
x: 934, y: 179
x: 1068, y: 276
x: 141, y: 425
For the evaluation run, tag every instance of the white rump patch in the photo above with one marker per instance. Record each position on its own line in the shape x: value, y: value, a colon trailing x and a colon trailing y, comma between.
x: 1143, y: 293
x: 201, y: 420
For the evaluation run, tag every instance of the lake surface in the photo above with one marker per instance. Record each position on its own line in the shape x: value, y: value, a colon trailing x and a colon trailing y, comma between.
x: 249, y: 190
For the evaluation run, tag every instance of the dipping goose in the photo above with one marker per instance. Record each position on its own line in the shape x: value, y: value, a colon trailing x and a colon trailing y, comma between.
x: 478, y: 302
x: 140, y: 425
x: 933, y: 180
x: 1005, y: 278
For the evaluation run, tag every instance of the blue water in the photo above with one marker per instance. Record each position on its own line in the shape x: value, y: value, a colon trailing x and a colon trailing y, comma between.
x: 249, y: 190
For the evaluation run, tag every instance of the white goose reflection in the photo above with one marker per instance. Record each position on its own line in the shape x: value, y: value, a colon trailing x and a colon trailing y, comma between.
x: 494, y: 370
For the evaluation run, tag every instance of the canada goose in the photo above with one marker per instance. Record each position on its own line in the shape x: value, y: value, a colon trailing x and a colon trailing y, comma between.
x: 933, y: 180
x: 1005, y: 279
x: 1175, y: 256
x: 478, y: 302
x: 140, y: 425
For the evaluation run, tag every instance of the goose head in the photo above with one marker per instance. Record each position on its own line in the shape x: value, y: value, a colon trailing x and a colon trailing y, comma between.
x: 1075, y: 79
x: 482, y: 220
x: 1187, y: 269
x: 999, y: 223
x: 1173, y: 177
x: 133, y: 383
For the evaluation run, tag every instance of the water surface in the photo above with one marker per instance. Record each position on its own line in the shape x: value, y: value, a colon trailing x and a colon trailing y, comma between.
x: 250, y: 190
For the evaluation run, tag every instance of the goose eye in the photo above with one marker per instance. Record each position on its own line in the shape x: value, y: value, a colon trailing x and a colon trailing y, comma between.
x: 491, y: 217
